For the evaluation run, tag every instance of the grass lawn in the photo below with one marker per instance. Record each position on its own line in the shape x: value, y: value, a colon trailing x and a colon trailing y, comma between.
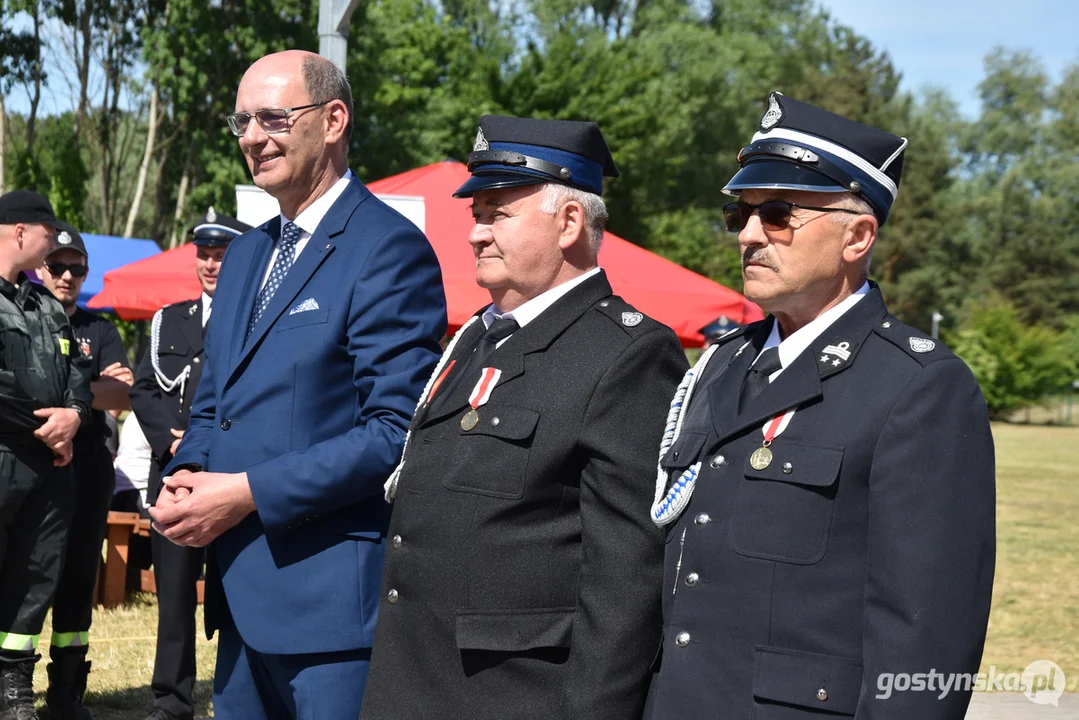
x: 1035, y: 602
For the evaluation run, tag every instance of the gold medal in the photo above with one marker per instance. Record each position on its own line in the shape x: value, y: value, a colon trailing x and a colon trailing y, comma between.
x: 761, y: 458
x: 470, y: 420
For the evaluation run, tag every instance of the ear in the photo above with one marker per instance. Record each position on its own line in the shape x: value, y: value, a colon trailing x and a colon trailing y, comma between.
x: 570, y: 219
x: 336, y: 122
x: 859, y: 238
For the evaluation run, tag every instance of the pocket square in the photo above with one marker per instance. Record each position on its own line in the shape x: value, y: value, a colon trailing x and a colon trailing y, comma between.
x: 305, y: 306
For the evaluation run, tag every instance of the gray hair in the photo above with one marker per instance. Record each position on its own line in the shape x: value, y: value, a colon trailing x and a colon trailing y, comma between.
x: 851, y: 202
x: 324, y: 82
x: 595, y: 210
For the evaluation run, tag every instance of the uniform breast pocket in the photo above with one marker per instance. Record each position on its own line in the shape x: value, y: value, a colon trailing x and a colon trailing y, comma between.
x: 492, y: 458
x: 14, y: 343
x: 784, y: 511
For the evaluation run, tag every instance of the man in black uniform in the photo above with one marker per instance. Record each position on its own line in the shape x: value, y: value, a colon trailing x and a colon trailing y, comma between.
x: 97, y: 339
x: 827, y: 475
x: 44, y: 398
x: 523, y: 574
x: 161, y: 399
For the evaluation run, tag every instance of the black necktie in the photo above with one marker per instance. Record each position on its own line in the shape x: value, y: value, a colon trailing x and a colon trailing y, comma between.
x: 757, y: 377
x: 499, y: 330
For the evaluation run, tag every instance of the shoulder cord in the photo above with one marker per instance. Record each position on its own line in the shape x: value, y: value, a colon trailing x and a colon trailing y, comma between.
x: 669, y: 503
x: 391, y: 483
x: 180, y: 381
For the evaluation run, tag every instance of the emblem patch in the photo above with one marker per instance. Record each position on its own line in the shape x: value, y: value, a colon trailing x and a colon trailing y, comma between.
x: 191, y: 310
x: 632, y: 319
x: 211, y: 215
x: 63, y: 238
x: 921, y: 345
x: 84, y: 345
x: 773, y: 114
x: 840, y: 352
x: 481, y: 144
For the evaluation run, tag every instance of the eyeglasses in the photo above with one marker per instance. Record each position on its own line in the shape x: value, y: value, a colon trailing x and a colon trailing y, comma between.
x: 57, y: 269
x: 775, y: 214
x: 273, y: 121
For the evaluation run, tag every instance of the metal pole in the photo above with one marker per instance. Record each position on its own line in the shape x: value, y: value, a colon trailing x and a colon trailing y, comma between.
x: 333, y: 21
x: 937, y: 317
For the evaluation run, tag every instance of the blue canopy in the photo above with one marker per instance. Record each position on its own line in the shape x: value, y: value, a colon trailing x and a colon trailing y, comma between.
x: 108, y: 253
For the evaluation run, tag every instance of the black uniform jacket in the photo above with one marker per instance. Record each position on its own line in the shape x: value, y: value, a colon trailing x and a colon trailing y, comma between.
x: 180, y: 345
x: 865, y: 547
x: 40, y: 364
x: 522, y: 578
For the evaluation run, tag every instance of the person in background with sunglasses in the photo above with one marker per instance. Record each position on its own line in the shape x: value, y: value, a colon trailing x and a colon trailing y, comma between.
x: 63, y: 273
x: 827, y: 478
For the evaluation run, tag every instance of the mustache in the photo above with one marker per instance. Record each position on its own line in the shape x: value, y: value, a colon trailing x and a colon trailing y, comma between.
x: 757, y: 255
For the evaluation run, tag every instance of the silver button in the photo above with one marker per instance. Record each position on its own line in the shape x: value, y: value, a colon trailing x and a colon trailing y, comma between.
x: 197, y: 360
x: 681, y: 639
x: 884, y: 324
x: 702, y: 519
x: 788, y: 468
x: 392, y: 596
x: 605, y: 303
x: 396, y: 542
x: 717, y: 461
x: 822, y: 694
x: 495, y: 421
x: 692, y: 579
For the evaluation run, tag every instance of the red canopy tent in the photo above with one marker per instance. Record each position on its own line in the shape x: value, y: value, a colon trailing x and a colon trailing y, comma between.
x: 657, y: 287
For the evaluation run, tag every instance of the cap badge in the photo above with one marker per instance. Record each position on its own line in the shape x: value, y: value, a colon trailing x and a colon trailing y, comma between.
x: 211, y: 215
x: 632, y: 319
x: 481, y: 144
x: 773, y: 114
x: 841, y: 352
x: 921, y: 345
x: 64, y: 238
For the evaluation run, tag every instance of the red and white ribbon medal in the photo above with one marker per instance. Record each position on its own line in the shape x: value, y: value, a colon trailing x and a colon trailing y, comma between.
x: 479, y: 396
x: 762, y: 456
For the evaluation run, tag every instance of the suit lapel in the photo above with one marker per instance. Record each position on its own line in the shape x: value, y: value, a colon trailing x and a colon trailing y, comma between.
x: 534, y: 337
x: 256, y: 269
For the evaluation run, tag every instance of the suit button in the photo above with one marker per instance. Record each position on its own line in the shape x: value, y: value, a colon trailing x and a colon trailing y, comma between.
x: 226, y: 424
x: 822, y: 694
x: 702, y: 519
x: 681, y: 639
x: 396, y: 542
x: 692, y: 578
x: 392, y: 596
x: 717, y: 461
x: 197, y: 360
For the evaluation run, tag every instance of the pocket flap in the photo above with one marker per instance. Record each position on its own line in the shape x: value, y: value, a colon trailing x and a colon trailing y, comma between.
x: 797, y: 678
x: 509, y: 422
x: 295, y: 317
x: 800, y: 463
x: 685, y: 450
x: 514, y: 630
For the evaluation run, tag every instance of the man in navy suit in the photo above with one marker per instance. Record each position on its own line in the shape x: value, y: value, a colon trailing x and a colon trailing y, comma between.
x: 324, y: 331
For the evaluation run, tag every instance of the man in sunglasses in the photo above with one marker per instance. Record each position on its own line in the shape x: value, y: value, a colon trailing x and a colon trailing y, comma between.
x: 827, y: 480
x: 44, y: 400
x: 326, y: 324
x: 63, y: 273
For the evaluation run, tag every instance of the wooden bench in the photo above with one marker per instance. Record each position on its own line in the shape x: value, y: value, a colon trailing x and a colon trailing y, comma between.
x: 112, y: 576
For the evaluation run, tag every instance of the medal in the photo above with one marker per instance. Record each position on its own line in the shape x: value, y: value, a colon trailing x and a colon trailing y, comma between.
x: 479, y: 396
x: 762, y: 456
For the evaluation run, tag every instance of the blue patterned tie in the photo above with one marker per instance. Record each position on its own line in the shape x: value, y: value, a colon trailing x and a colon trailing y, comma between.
x: 286, y: 251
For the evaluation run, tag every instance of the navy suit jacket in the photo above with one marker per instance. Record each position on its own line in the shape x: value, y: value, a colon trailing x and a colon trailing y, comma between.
x: 314, y: 406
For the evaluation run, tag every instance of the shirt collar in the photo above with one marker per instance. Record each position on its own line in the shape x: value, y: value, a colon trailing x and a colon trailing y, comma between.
x: 309, y: 219
x: 532, y: 309
x: 799, y: 340
x: 206, y: 302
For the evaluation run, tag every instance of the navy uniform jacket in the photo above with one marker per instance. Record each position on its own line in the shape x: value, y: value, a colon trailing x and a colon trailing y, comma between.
x: 522, y: 579
x: 180, y: 345
x: 865, y: 547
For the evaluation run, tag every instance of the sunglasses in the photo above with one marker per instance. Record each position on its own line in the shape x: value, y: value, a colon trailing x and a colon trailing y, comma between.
x: 57, y: 269
x: 273, y: 121
x: 775, y: 214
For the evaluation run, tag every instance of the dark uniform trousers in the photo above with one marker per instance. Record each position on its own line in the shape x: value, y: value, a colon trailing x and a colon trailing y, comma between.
x: 522, y: 574
x: 866, y: 545
x: 176, y: 569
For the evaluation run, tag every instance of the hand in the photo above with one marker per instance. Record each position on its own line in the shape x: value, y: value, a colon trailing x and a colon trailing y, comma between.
x: 116, y: 371
x: 216, y: 503
x: 178, y: 434
x: 63, y: 451
x: 60, y: 426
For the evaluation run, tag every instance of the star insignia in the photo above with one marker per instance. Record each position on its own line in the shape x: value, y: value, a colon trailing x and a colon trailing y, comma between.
x: 824, y: 358
x: 837, y: 362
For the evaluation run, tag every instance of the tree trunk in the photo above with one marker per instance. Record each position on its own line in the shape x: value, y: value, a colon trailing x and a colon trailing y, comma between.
x: 181, y: 196
x: 3, y: 130
x: 82, y: 67
x: 144, y: 167
x: 31, y: 120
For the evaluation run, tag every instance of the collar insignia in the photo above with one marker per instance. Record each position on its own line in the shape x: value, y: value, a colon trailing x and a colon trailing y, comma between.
x: 841, y: 353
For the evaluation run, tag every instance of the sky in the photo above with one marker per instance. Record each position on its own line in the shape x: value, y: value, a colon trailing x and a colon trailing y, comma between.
x: 943, y: 43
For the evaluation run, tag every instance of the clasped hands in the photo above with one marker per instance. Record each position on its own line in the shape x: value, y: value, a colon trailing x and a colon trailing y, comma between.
x: 195, y: 508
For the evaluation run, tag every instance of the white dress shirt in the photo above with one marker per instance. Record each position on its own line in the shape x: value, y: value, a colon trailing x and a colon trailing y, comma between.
x: 207, y: 301
x: 799, y: 340
x: 532, y: 309
x: 309, y: 219
x: 132, y: 463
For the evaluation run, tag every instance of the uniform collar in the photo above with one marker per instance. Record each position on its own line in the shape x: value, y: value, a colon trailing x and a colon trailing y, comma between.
x: 794, y: 345
x: 532, y: 309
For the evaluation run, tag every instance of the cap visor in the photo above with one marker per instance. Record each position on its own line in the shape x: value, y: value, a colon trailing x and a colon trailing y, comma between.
x: 776, y: 174
x: 493, y: 181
